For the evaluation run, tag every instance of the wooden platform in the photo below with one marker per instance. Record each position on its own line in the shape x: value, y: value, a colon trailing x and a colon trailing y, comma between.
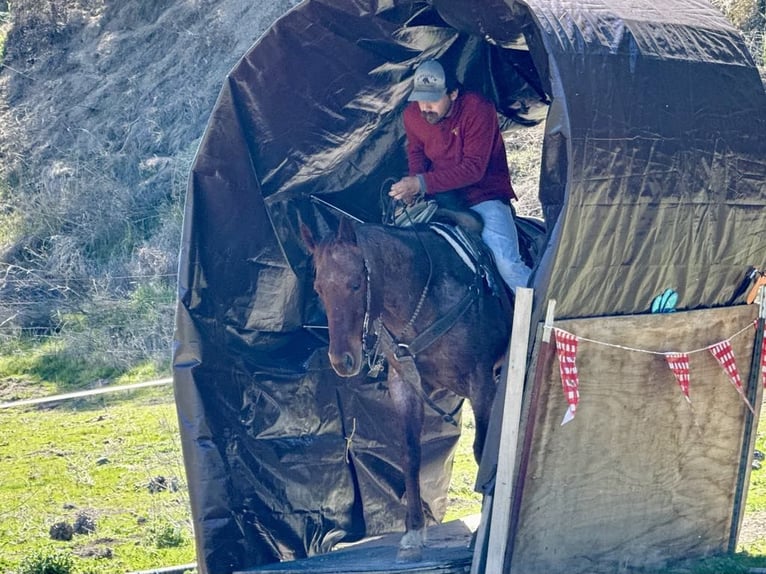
x: 447, y: 553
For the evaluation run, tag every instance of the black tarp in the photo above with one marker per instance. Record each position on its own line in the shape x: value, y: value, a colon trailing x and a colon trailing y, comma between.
x: 653, y: 176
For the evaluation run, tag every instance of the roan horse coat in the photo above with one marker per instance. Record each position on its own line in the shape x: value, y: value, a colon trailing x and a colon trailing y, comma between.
x: 405, y: 296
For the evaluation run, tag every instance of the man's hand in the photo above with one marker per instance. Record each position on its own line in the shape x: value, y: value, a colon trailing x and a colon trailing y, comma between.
x: 406, y: 189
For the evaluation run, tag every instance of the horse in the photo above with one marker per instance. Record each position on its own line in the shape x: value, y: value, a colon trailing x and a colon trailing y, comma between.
x: 433, y: 320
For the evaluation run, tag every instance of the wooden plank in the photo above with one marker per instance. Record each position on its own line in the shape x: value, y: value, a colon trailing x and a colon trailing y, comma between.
x: 486, y: 474
x: 539, y: 371
x: 479, y: 561
x: 447, y: 552
x: 509, y: 432
x: 377, y: 560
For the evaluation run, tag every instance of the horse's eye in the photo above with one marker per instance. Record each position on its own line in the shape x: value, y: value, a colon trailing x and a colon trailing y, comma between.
x: 355, y: 287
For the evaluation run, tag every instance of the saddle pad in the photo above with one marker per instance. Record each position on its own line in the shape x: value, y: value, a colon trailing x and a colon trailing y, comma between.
x: 470, y: 249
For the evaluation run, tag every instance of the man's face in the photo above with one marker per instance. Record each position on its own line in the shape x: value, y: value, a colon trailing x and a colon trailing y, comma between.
x: 434, y: 112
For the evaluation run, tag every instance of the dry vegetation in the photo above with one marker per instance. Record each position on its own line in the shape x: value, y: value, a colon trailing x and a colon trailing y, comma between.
x: 102, y: 106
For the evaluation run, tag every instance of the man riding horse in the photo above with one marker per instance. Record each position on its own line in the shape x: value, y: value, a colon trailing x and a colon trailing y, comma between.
x: 456, y: 155
x: 441, y: 326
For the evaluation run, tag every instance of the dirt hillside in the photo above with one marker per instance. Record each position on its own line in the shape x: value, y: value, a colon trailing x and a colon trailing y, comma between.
x: 102, y: 105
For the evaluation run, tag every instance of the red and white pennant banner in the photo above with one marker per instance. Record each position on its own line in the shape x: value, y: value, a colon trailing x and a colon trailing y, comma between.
x: 724, y: 354
x: 566, y: 349
x: 679, y: 364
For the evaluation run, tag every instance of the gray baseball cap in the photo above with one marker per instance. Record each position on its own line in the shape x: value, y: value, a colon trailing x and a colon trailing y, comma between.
x: 429, y: 83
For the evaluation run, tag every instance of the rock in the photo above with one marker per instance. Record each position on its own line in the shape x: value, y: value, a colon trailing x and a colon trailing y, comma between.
x: 61, y: 531
x: 94, y: 551
x: 84, y: 523
x: 158, y: 484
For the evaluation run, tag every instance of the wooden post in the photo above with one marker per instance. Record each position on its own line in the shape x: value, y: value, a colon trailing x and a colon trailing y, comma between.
x: 509, y: 434
x: 478, y: 562
x: 753, y: 391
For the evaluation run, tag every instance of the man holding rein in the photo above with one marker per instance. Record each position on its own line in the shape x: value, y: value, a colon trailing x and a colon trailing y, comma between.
x: 455, y: 151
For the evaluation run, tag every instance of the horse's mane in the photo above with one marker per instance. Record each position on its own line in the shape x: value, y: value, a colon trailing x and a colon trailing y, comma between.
x: 413, y: 249
x: 420, y: 243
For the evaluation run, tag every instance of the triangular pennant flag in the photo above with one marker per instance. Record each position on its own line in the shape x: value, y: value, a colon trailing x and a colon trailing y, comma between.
x: 566, y: 349
x: 679, y: 364
x: 724, y: 354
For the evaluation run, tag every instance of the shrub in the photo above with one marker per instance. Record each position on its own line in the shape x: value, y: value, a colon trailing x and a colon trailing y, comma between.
x: 166, y: 535
x: 47, y: 561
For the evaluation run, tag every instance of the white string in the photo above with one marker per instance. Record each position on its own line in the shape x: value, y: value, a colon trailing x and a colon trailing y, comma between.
x: 350, y: 438
x: 635, y: 350
x: 86, y: 393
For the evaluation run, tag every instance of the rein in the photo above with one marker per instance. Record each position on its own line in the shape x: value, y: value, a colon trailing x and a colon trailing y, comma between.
x: 374, y: 362
x: 443, y: 324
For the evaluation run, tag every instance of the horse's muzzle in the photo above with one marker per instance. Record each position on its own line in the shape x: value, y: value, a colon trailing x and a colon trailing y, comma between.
x: 345, y: 364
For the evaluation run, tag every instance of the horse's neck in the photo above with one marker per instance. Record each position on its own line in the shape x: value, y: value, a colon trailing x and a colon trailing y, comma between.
x: 399, y: 272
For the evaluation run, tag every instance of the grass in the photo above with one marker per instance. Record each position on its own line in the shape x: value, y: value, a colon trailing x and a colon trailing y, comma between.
x: 31, y: 368
x: 756, y: 500
x: 102, y: 459
x: 47, y: 363
x: 11, y: 221
x: 4, y: 17
x: 99, y: 457
x: 463, y: 501
x: 756, y: 493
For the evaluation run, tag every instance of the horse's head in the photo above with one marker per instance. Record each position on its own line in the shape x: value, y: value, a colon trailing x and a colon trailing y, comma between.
x: 340, y: 280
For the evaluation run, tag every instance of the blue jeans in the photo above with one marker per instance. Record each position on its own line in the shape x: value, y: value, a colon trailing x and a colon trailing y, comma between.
x: 501, y: 237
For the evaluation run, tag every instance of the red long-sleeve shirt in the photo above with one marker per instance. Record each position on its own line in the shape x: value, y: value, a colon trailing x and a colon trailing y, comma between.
x: 463, y: 151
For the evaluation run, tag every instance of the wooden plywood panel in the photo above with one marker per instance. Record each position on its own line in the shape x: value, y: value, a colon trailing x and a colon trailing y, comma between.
x: 640, y: 476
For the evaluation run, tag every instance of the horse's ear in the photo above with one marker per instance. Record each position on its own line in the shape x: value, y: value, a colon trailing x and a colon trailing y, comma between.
x: 346, y: 231
x: 308, y: 238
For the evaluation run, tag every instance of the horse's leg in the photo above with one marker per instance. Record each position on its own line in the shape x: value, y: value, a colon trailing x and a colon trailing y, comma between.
x: 409, y: 408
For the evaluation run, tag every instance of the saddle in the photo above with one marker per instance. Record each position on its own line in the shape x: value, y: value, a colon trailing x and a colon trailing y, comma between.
x: 448, y: 207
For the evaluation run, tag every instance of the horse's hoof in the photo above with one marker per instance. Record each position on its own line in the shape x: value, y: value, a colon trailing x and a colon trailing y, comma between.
x: 412, y: 554
x: 411, y: 546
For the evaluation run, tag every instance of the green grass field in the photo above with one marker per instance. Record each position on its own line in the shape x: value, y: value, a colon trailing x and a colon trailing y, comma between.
x: 106, y: 459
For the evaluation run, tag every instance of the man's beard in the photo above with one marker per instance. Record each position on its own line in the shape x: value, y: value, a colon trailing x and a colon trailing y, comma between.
x: 434, y: 118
